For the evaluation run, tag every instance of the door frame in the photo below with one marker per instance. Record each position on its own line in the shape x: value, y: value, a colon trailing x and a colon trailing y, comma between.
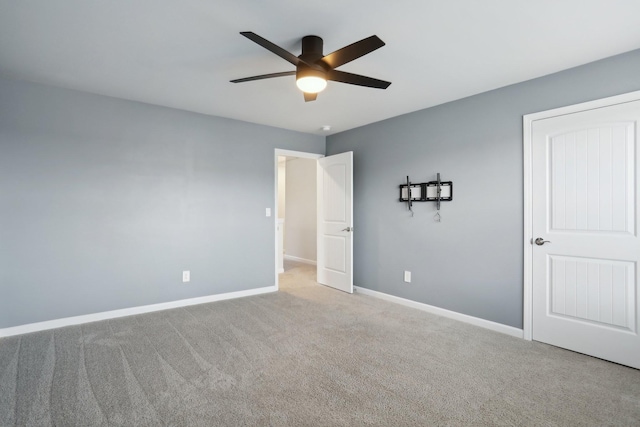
x: 286, y: 153
x: 527, y: 128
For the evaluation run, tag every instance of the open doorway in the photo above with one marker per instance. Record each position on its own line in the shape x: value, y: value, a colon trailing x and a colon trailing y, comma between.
x: 296, y: 214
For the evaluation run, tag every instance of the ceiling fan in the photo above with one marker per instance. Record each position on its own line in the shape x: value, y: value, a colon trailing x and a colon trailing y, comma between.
x: 313, y: 69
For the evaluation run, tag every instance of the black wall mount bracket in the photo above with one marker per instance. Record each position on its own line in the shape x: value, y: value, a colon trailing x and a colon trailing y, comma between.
x: 432, y: 191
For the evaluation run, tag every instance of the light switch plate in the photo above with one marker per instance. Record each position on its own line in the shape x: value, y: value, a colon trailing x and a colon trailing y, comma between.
x: 268, y: 212
x: 407, y: 276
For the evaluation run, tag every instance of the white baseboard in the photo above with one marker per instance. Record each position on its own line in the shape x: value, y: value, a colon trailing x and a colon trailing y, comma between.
x: 302, y: 260
x: 488, y: 324
x: 77, y: 320
x: 280, y: 270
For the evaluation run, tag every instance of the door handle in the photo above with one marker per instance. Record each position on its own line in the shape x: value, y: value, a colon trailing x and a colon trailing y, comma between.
x: 348, y: 229
x: 540, y: 241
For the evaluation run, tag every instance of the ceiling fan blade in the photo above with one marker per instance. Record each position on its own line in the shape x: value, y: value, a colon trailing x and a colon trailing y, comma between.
x: 286, y: 55
x: 310, y: 96
x: 356, y: 79
x: 353, y: 51
x: 264, y: 76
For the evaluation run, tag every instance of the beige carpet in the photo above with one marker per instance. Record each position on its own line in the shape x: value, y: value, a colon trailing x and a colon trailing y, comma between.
x: 305, y: 356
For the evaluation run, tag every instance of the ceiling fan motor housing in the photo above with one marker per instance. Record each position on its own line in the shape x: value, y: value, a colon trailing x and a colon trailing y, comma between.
x: 311, y: 54
x: 311, y: 49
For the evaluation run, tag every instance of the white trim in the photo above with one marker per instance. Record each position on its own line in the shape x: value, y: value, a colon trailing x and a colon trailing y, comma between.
x: 527, y: 138
x: 302, y: 154
x: 302, y: 260
x: 280, y: 270
x: 476, y: 321
x: 528, y: 249
x: 286, y: 153
x: 585, y: 106
x: 105, y: 315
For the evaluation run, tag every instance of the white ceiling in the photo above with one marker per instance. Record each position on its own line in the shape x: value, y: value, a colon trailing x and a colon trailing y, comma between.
x: 182, y: 53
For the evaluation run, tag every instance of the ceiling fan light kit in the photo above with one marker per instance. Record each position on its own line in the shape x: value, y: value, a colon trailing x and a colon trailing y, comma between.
x: 309, y: 80
x: 313, y: 69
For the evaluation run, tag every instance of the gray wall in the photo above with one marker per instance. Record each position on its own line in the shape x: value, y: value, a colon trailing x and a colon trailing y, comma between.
x: 103, y: 203
x: 471, y: 262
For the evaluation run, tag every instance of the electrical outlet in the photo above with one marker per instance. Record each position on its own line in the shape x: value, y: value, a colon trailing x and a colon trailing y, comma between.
x: 186, y: 276
x: 267, y: 212
x: 407, y: 276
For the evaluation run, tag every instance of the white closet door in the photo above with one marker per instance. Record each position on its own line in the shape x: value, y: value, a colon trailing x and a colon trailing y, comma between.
x: 585, y: 205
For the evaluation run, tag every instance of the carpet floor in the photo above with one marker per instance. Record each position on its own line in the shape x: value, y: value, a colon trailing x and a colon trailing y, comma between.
x: 305, y: 356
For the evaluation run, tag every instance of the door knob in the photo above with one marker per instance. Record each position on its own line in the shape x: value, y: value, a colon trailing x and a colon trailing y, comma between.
x: 348, y: 229
x: 540, y: 241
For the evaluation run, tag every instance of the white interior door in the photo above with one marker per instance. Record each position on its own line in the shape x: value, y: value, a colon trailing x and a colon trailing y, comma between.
x: 335, y: 221
x: 585, y: 204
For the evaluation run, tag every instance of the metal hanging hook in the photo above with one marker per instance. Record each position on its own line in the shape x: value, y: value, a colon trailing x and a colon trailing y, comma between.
x: 437, y: 216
